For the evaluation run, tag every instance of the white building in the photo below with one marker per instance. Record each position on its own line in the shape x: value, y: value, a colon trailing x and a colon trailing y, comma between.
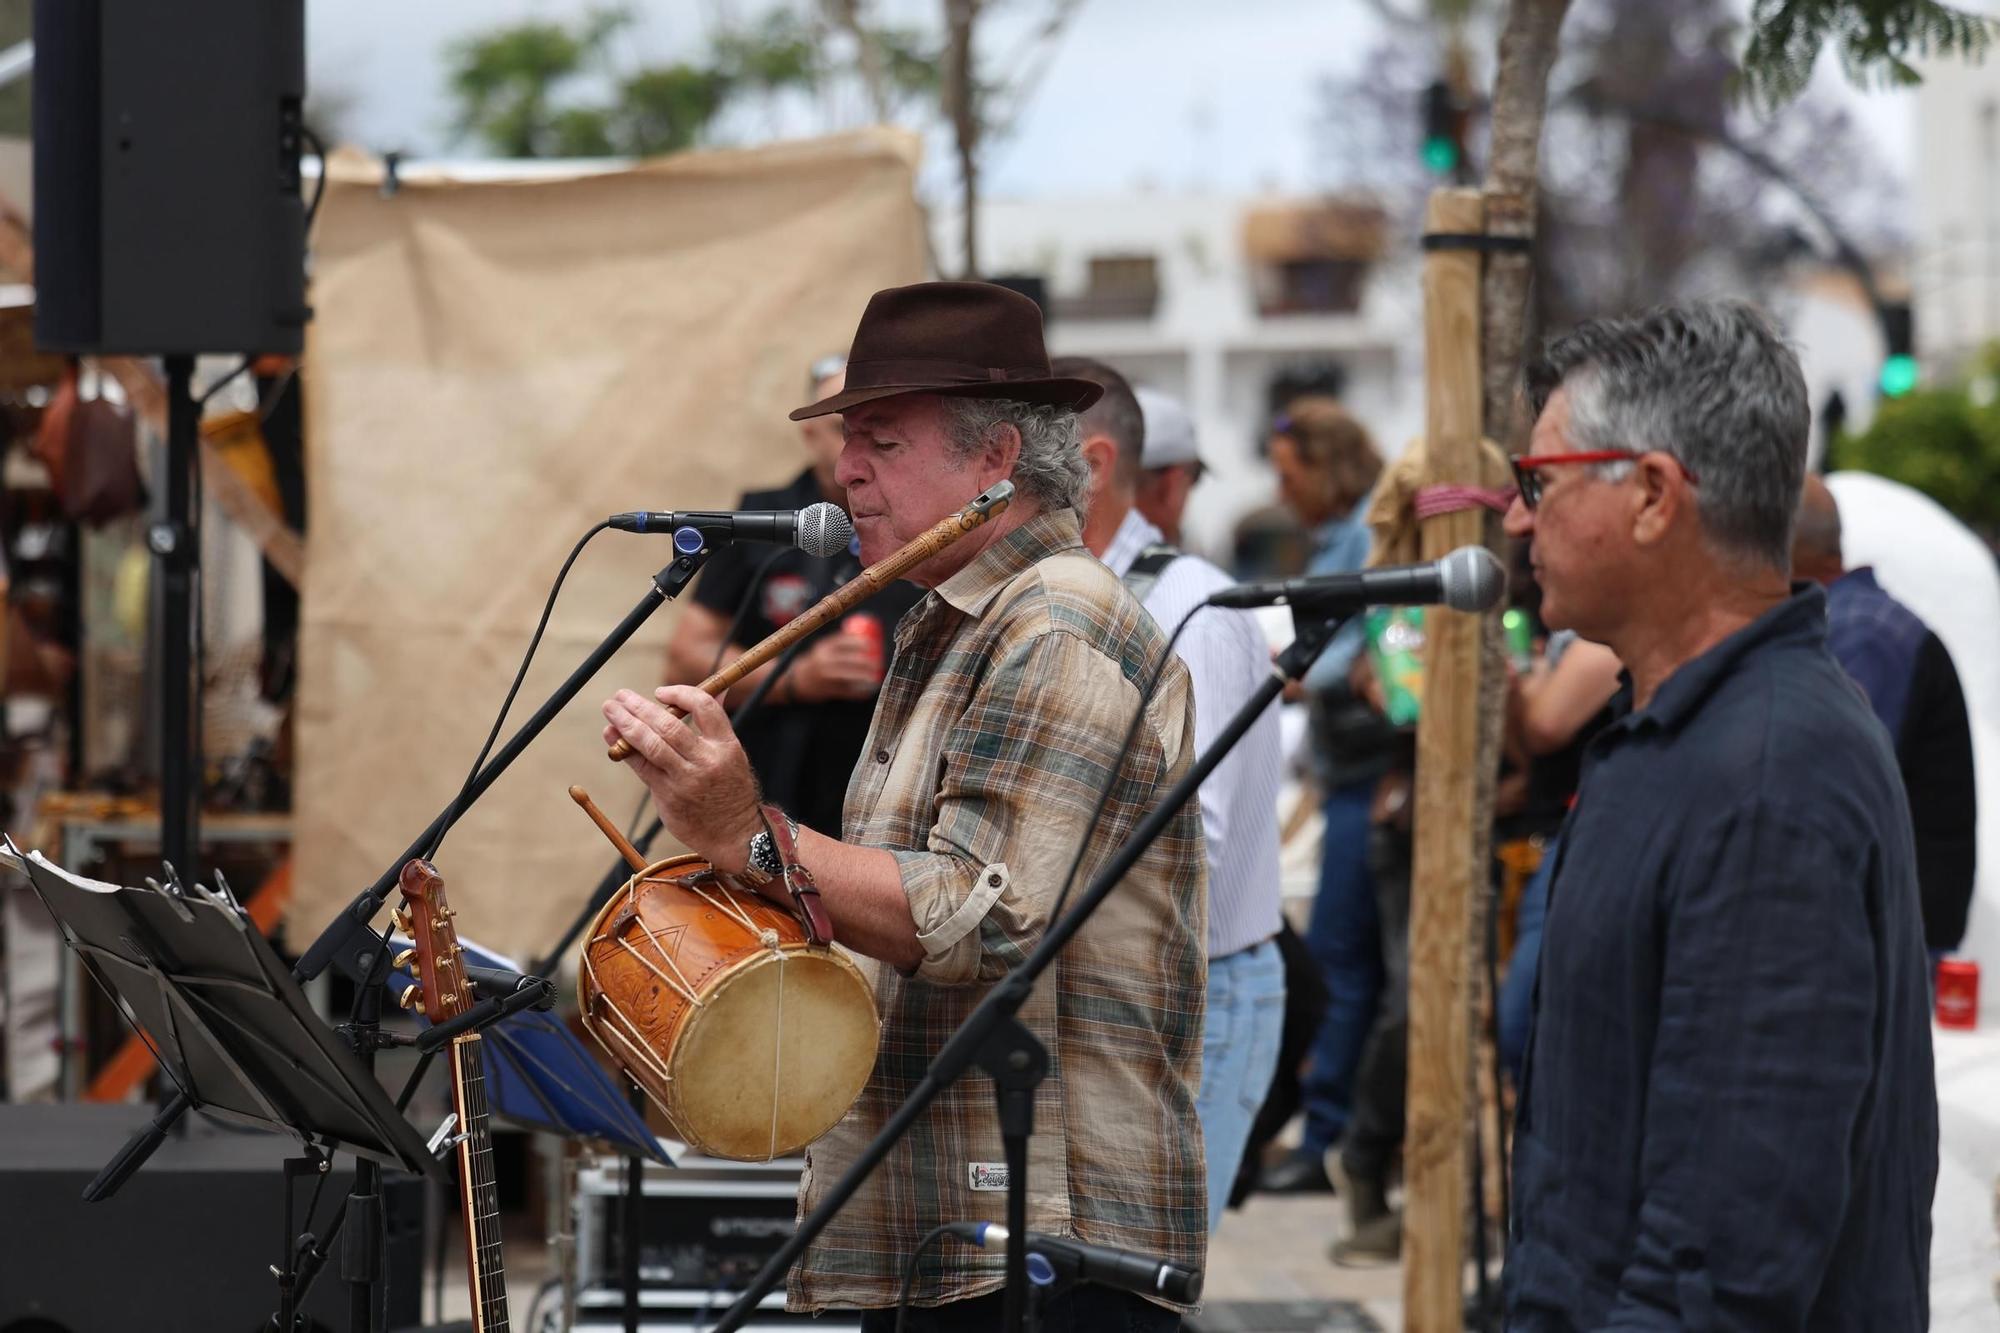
x: 1955, y: 214
x: 1213, y: 299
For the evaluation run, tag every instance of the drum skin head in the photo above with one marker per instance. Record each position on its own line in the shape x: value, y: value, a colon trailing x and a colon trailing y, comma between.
x: 775, y: 1056
x: 751, y: 1041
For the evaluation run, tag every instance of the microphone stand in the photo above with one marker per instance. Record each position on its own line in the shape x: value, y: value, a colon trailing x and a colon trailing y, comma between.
x: 993, y: 1038
x: 349, y: 942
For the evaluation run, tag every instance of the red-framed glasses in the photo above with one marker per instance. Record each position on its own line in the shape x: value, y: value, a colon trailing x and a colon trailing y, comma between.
x: 1527, y: 468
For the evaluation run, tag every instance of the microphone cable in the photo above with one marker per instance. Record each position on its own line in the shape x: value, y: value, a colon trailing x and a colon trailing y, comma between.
x: 736, y: 623
x: 460, y: 801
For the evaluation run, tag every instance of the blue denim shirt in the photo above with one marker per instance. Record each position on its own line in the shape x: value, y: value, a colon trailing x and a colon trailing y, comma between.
x: 1339, y: 545
x: 1876, y: 639
x: 1728, y: 1116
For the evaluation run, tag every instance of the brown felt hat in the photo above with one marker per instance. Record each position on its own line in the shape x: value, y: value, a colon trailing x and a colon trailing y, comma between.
x: 964, y: 339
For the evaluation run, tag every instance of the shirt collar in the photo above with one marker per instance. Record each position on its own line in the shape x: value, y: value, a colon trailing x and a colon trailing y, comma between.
x: 973, y: 588
x: 1798, y: 621
x: 1134, y: 535
x: 1862, y: 576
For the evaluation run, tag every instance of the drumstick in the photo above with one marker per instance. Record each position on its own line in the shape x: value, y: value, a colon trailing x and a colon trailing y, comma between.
x: 609, y: 829
x: 863, y: 586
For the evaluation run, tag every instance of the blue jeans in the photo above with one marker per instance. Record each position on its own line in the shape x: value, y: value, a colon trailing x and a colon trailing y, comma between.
x: 1239, y: 1056
x: 1517, y: 990
x: 1344, y: 936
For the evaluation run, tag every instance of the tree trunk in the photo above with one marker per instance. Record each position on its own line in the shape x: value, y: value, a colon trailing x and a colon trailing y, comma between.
x: 1520, y: 101
x: 846, y: 14
x: 961, y: 104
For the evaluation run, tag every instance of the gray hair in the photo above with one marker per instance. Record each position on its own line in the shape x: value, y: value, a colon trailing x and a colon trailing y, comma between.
x: 1050, y: 472
x: 1713, y: 385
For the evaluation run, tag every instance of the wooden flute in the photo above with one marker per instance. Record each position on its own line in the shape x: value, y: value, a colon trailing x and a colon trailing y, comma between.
x: 864, y: 585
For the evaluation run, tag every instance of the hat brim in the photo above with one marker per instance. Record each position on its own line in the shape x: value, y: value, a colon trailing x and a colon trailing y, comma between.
x: 1074, y: 394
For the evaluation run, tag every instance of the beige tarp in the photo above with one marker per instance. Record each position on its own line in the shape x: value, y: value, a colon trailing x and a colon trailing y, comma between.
x: 494, y: 366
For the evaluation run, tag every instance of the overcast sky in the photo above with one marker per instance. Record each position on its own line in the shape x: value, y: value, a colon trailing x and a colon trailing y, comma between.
x: 1171, y: 92
x: 1215, y: 94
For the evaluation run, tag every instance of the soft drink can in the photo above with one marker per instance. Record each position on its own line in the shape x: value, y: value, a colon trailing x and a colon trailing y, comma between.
x: 868, y: 629
x: 1958, y: 993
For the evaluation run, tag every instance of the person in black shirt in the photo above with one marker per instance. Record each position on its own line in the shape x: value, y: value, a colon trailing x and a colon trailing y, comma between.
x: 804, y: 737
x: 1728, y: 1114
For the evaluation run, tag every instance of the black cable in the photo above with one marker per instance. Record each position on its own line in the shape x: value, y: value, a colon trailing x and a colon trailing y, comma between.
x: 931, y: 1237
x: 736, y: 624
x: 319, y: 184
x: 743, y: 607
x: 1124, y: 748
x: 226, y: 380
x: 459, y: 802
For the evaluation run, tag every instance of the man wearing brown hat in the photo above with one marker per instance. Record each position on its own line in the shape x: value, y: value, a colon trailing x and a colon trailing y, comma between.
x: 1004, y: 715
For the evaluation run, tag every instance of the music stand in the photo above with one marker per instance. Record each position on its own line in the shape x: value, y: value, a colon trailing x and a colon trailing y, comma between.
x: 224, y: 1017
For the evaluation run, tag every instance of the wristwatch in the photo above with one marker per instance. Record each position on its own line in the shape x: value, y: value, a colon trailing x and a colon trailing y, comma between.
x: 765, y: 863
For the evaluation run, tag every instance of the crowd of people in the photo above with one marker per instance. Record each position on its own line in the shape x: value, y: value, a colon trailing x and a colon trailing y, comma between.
x: 1744, y: 770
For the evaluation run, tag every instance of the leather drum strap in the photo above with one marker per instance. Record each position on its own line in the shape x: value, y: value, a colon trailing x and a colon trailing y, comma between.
x: 798, y: 880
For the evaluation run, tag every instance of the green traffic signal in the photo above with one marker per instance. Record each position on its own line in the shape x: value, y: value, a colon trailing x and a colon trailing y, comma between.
x: 1899, y: 375
x: 1440, y: 155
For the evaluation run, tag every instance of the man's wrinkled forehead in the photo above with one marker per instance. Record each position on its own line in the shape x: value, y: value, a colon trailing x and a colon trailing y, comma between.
x: 885, y: 416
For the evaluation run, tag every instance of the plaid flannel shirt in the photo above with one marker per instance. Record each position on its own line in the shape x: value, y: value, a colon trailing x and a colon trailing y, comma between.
x: 1011, y: 690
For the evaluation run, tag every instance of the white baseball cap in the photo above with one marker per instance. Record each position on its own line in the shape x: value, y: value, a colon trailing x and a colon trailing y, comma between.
x: 1169, y: 430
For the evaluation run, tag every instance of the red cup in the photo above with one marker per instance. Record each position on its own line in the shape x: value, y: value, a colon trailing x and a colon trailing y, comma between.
x: 868, y: 629
x: 1958, y: 993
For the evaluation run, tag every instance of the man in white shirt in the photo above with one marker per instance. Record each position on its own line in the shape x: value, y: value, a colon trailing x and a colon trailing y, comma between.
x: 1227, y: 656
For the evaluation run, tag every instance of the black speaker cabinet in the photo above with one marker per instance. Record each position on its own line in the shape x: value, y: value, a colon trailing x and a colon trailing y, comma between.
x: 185, y: 1245
x: 168, y: 215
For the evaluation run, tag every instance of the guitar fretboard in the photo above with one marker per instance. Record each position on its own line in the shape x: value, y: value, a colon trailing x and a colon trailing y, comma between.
x: 477, y: 1188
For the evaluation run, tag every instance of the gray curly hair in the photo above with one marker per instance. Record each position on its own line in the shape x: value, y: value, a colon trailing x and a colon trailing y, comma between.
x: 1051, y: 471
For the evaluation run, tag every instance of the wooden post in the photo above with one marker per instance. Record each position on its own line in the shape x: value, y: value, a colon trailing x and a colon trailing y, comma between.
x: 1444, y: 875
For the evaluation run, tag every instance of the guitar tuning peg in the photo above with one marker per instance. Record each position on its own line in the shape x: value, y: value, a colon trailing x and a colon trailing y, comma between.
x: 401, y: 917
x: 448, y: 963
x: 413, y: 997
x: 451, y: 997
x: 403, y: 959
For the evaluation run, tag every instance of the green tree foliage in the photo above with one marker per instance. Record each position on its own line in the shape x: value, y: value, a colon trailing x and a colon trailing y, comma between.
x: 1943, y: 441
x: 519, y: 89
x: 539, y: 89
x: 1875, y: 40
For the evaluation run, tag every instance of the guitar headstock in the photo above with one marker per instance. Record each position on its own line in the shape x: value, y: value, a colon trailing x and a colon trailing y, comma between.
x: 439, y: 967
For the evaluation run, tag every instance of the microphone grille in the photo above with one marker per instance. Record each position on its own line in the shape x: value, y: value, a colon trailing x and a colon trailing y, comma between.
x: 824, y: 530
x: 1473, y: 579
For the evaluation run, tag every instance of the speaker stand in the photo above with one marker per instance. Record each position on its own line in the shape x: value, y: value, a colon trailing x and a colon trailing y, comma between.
x: 175, y: 541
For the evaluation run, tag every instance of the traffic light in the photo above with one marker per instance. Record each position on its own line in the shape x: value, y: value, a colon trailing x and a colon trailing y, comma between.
x: 1900, y: 372
x: 1444, y: 129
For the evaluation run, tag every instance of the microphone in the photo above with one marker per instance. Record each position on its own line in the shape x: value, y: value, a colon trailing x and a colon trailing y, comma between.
x: 819, y: 529
x: 1469, y: 579
x: 1101, y: 1264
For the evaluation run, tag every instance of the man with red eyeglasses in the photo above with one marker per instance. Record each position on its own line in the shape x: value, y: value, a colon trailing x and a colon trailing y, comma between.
x: 1727, y: 1113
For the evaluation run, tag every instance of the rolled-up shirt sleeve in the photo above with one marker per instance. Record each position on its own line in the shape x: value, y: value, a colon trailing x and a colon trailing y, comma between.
x: 1761, y: 1067
x: 1019, y: 776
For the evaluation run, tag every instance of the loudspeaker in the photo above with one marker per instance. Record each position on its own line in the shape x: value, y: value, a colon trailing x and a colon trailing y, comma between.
x: 185, y: 1245
x: 168, y: 217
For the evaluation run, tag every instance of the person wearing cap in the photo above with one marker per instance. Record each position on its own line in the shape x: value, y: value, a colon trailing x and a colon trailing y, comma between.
x: 805, y: 735
x: 1170, y: 465
x: 1227, y: 657
x: 1006, y: 712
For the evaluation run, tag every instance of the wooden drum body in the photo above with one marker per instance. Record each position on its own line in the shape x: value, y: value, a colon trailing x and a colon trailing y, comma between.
x: 752, y: 1041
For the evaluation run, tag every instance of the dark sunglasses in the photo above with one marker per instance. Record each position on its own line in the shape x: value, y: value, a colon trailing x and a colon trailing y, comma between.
x: 1528, y: 477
